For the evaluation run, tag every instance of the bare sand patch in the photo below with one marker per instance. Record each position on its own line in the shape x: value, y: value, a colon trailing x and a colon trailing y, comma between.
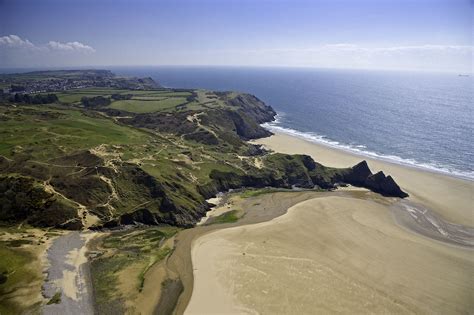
x: 329, y: 255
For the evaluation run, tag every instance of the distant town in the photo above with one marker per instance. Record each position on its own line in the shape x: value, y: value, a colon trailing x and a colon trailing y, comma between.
x: 54, y: 81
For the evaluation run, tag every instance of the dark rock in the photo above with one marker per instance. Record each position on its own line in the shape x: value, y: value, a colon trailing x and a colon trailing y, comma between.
x: 308, y: 162
x: 358, y: 174
x: 361, y: 176
x: 141, y: 215
x: 385, y: 185
x: 255, y: 150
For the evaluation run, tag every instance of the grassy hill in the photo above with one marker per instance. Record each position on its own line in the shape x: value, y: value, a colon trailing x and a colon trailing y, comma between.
x: 104, y: 156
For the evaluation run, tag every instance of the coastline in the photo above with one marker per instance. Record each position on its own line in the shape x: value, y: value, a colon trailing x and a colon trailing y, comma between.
x: 449, y: 196
x: 353, y: 244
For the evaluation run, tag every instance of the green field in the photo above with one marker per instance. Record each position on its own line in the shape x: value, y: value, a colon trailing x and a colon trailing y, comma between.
x: 148, y: 106
x: 64, y: 131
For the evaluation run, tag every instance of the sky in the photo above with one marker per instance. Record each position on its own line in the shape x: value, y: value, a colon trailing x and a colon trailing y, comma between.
x: 429, y: 35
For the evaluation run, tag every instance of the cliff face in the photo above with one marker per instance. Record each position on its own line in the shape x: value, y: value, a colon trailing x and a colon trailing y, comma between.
x: 239, y: 119
x: 287, y: 171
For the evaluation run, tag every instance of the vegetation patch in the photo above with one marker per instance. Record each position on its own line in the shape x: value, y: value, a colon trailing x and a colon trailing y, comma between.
x: 56, y: 299
x: 14, y: 274
x: 248, y: 193
x: 141, y: 247
x: 148, y: 106
x: 227, y: 217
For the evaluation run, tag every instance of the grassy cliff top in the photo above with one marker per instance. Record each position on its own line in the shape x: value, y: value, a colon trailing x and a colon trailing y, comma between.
x: 104, y: 156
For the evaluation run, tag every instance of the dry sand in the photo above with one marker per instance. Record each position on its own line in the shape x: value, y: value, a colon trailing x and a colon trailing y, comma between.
x: 343, y: 252
x: 451, y: 197
x: 329, y: 255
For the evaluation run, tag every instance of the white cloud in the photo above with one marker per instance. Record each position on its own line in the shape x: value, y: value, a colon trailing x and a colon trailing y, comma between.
x: 14, y: 41
x: 70, y: 46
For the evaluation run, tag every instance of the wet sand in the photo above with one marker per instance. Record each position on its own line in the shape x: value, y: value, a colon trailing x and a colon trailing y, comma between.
x: 68, y: 274
x: 327, y: 255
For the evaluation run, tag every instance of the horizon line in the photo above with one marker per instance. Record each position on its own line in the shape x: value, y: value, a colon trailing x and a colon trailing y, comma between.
x: 104, y: 67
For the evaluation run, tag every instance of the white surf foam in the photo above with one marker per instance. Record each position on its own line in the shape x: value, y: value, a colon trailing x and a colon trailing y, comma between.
x: 361, y: 150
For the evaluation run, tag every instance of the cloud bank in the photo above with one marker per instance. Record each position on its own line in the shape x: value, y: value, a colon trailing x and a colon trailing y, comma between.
x: 16, y: 51
x: 16, y: 42
x: 70, y: 46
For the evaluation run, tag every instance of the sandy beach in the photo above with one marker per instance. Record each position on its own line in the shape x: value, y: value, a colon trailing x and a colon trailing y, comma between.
x: 449, y: 196
x: 340, y: 252
x: 258, y: 209
x: 329, y: 255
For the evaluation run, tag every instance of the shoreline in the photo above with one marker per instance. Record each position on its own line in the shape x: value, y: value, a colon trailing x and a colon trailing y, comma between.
x: 238, y: 261
x: 347, y: 149
x: 451, y: 197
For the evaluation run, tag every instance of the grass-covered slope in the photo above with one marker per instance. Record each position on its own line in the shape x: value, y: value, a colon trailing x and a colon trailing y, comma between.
x: 103, y: 156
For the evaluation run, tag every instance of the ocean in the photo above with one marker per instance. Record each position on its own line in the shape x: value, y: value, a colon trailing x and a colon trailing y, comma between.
x: 418, y: 119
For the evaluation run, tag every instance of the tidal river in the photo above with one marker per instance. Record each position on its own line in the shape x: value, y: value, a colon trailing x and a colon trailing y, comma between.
x: 68, y: 275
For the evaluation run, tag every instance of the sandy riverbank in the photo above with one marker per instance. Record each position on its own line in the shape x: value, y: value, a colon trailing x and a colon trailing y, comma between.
x: 257, y: 209
x: 451, y: 197
x: 340, y: 252
x: 327, y: 255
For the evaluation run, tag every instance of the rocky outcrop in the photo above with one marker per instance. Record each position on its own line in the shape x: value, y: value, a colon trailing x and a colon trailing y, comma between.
x: 287, y: 171
x: 249, y: 104
x: 384, y: 185
x: 360, y: 175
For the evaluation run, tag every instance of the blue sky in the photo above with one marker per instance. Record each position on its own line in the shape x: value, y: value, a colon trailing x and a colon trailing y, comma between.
x: 381, y: 34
